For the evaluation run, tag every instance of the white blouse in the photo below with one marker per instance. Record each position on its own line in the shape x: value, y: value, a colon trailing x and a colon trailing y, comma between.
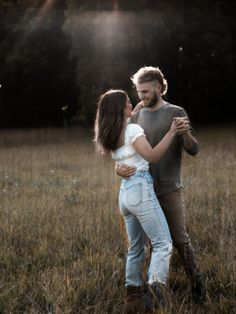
x: 127, y: 154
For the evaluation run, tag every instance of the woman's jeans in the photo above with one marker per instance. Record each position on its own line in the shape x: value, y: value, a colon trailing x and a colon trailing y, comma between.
x: 144, y: 218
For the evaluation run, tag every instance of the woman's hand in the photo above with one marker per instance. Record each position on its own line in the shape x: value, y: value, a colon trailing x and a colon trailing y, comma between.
x: 180, y: 125
x: 138, y: 107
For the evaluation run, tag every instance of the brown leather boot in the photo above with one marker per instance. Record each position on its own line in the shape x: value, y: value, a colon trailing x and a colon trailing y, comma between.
x: 198, y: 289
x: 137, y: 301
x: 159, y: 295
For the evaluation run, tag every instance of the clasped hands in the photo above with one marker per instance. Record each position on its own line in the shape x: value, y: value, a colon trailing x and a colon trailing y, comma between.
x: 181, y: 124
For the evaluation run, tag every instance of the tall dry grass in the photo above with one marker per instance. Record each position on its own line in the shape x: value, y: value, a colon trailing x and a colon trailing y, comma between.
x: 63, y: 242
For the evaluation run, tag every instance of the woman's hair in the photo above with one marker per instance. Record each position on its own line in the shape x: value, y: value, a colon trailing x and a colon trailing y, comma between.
x: 110, y: 119
x: 150, y: 74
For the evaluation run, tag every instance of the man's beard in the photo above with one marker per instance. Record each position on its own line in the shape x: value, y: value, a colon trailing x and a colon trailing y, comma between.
x: 153, y: 101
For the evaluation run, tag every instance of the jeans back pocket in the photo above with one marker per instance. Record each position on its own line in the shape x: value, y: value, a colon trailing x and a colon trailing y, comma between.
x: 134, y: 194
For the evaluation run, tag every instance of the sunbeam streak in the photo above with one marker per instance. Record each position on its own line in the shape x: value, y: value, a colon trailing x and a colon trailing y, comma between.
x: 48, y: 5
x: 28, y: 24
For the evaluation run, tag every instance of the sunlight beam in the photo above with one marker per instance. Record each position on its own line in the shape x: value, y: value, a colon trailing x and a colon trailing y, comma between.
x: 29, y: 25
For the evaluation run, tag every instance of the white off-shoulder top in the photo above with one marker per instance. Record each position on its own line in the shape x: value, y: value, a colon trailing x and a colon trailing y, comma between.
x: 127, y: 154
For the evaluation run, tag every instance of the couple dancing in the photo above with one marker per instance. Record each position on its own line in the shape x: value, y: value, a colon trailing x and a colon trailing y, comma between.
x: 146, y: 144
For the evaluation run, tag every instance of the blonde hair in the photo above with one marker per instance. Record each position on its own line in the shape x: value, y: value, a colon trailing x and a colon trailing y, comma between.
x: 150, y: 74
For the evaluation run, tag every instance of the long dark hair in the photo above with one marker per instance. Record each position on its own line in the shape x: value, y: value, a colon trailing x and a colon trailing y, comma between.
x: 110, y: 119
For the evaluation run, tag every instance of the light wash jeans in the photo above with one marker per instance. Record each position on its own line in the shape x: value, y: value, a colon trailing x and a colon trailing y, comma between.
x: 144, y: 218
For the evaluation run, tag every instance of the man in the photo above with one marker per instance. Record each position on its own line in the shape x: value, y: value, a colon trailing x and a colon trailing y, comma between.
x: 155, y: 116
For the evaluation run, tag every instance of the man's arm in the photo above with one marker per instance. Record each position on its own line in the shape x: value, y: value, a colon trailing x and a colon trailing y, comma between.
x: 190, y: 143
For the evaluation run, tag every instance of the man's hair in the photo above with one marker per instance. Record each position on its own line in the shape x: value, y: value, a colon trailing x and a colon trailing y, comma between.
x: 150, y: 74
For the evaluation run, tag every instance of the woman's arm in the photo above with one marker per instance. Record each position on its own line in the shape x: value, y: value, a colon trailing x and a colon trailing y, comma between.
x: 153, y: 155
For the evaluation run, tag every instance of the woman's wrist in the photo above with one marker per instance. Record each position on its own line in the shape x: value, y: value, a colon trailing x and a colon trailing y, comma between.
x: 172, y: 132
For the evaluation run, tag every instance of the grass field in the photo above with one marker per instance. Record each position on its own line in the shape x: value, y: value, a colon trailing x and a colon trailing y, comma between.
x: 63, y: 242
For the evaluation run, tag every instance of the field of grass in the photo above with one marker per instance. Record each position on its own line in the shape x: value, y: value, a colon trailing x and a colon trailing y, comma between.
x: 63, y: 242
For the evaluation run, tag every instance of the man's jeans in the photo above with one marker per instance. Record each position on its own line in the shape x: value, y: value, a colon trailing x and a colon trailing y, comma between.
x: 144, y: 218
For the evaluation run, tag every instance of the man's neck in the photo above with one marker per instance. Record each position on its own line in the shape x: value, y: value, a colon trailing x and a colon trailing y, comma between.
x: 158, y: 105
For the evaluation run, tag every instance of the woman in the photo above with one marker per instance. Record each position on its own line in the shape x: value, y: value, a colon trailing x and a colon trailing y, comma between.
x: 139, y: 206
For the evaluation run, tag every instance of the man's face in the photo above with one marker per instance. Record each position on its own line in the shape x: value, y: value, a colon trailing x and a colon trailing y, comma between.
x: 149, y: 93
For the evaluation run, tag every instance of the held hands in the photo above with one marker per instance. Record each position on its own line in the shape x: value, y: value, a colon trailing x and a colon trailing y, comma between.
x: 180, y: 125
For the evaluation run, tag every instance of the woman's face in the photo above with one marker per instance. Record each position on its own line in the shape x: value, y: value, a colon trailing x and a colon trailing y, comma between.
x: 128, y: 109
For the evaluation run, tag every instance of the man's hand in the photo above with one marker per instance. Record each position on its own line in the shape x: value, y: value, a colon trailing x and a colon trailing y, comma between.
x: 182, y: 125
x: 183, y: 128
x: 124, y: 171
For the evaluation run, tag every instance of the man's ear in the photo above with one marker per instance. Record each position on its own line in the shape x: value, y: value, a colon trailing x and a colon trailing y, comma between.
x: 158, y: 88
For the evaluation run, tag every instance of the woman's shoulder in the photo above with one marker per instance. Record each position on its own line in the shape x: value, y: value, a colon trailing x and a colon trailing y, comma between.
x: 133, y: 127
x: 133, y: 131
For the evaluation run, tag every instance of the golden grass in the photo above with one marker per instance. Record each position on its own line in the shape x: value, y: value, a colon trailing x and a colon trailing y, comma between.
x: 63, y: 242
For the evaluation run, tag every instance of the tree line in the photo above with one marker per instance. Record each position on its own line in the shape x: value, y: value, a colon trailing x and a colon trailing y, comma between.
x: 57, y: 57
